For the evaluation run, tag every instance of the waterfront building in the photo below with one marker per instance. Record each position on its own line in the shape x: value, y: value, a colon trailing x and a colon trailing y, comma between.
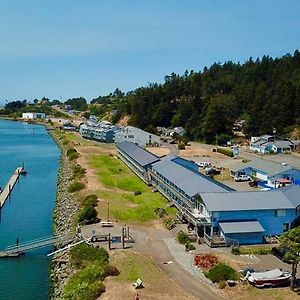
x: 137, y: 159
x: 218, y: 214
x: 136, y: 136
x: 33, y: 115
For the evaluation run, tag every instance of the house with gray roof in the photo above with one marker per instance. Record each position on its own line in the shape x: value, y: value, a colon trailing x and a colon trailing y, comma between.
x: 271, y: 144
x: 268, y: 172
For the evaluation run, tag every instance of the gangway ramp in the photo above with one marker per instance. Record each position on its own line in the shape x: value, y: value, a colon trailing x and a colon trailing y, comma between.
x: 15, y: 250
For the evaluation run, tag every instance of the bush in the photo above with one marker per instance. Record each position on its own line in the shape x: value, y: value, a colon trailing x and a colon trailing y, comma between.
x: 221, y: 272
x: 71, y: 151
x: 110, y: 271
x: 235, y: 250
x: 83, y: 254
x: 78, y: 172
x: 222, y: 284
x: 160, y: 211
x: 169, y: 223
x: 181, y: 146
x: 88, y: 212
x: 136, y: 193
x: 75, y: 187
x: 189, y: 246
x: 81, y: 290
x: 90, y: 200
x: 182, y: 237
x: 73, y: 156
x: 225, y: 151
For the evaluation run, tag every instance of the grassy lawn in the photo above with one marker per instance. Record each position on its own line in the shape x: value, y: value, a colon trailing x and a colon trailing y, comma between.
x: 121, y: 183
x: 72, y: 137
x: 225, y: 175
x: 133, y: 265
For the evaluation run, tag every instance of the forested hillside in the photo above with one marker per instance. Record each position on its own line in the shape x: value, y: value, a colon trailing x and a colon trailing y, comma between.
x: 264, y: 92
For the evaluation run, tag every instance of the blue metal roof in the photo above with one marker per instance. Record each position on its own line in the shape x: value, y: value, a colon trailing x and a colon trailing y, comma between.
x: 138, y: 154
x: 241, y: 227
x: 190, y: 182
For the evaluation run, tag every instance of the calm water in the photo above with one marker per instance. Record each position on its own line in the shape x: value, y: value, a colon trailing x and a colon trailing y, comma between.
x: 28, y: 214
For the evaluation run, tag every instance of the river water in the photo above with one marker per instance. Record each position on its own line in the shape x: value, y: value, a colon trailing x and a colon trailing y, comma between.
x: 28, y: 214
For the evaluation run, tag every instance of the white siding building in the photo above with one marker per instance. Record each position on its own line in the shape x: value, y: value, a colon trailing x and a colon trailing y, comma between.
x: 33, y: 115
x: 136, y: 136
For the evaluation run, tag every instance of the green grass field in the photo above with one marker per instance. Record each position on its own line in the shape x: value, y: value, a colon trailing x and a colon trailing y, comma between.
x: 121, y: 183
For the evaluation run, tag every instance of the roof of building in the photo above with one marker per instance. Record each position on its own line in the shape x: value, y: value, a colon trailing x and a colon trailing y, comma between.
x: 283, y: 144
x: 140, y: 155
x: 266, y: 166
x: 241, y: 227
x: 285, y: 198
x: 190, y: 182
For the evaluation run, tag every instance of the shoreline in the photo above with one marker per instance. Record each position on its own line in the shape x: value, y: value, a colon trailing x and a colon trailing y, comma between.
x: 66, y: 207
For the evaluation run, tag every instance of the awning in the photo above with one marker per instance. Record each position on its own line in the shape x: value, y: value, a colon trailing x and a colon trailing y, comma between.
x: 283, y: 180
x: 241, y: 227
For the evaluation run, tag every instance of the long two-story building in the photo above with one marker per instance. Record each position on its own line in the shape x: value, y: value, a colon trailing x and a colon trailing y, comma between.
x: 218, y: 213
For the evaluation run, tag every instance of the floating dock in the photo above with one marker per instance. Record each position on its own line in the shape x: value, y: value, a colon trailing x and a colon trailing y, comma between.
x: 10, y: 185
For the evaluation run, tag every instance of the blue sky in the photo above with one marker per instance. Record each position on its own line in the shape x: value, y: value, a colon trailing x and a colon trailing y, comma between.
x: 69, y: 48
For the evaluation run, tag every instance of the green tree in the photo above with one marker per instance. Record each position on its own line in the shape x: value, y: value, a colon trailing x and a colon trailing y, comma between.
x: 291, y: 240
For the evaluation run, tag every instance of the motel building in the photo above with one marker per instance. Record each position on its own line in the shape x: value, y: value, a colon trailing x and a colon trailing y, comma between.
x: 219, y: 215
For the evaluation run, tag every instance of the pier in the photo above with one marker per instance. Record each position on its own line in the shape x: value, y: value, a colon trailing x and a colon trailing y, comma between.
x: 10, y: 185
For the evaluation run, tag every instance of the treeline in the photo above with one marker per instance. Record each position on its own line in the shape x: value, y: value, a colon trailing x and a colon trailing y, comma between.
x: 264, y: 92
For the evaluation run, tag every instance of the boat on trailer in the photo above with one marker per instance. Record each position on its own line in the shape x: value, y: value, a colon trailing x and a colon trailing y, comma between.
x: 270, y: 278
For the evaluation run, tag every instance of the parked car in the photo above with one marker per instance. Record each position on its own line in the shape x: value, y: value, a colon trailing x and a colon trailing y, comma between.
x: 204, y: 165
x: 242, y: 178
x: 212, y: 171
x: 253, y: 183
x: 280, y: 253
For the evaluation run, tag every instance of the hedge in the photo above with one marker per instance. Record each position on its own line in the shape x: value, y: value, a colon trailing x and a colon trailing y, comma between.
x: 225, y: 151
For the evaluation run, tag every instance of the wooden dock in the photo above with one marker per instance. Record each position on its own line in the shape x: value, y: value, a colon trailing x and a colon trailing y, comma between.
x: 10, y: 185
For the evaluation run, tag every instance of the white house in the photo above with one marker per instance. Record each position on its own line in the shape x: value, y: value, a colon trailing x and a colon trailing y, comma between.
x: 33, y: 115
x: 136, y: 136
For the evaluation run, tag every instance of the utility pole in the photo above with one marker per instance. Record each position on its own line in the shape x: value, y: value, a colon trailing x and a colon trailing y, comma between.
x: 108, y: 211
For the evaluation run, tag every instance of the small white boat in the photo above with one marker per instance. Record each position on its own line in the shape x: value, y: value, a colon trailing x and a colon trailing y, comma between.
x: 271, y: 278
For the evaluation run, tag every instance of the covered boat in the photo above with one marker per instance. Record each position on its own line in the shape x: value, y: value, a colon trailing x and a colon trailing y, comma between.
x: 269, y: 278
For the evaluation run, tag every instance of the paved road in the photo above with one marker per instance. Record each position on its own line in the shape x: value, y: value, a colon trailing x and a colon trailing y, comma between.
x: 198, y: 289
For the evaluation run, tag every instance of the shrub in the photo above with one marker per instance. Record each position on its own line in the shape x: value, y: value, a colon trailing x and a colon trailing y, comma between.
x: 222, y: 284
x: 189, y: 246
x: 235, y: 250
x: 136, y: 193
x: 182, y: 237
x: 181, y: 146
x: 221, y: 272
x: 160, y: 211
x: 88, y: 212
x: 73, y: 156
x: 110, y: 271
x: 75, y: 187
x: 78, y: 172
x: 169, y: 223
x: 225, y: 151
x: 83, y: 254
x: 71, y: 151
x: 90, y: 200
x: 205, y: 260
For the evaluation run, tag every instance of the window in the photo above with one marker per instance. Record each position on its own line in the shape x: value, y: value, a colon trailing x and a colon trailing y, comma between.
x: 286, y: 227
x: 279, y: 212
